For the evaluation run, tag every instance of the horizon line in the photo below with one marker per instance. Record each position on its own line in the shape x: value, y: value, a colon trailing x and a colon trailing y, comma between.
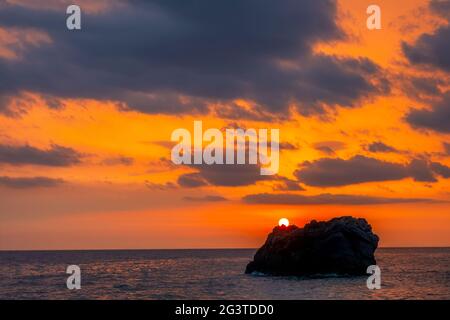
x: 174, y: 249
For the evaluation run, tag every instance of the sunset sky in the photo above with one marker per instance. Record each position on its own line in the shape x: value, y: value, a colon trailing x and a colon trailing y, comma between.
x: 86, y: 118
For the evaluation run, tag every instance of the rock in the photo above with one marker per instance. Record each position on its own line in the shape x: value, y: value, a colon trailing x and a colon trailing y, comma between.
x: 342, y: 246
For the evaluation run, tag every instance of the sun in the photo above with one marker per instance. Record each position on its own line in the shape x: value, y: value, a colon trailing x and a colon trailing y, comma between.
x: 283, y: 222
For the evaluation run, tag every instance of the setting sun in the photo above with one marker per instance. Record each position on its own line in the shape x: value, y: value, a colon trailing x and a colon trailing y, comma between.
x: 283, y: 222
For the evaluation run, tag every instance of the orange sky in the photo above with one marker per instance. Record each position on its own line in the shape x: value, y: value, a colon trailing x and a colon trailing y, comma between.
x: 109, y: 203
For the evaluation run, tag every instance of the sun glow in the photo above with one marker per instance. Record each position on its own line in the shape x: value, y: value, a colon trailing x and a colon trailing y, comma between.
x: 283, y: 222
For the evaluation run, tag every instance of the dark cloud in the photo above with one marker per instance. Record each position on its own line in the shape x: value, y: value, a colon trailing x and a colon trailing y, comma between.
x: 430, y: 49
x: 441, y: 8
x: 425, y: 89
x: 325, y: 149
x: 421, y: 171
x: 379, y: 146
x: 160, y: 186
x: 226, y: 175
x: 425, y: 86
x: 232, y: 111
x: 446, y: 148
x: 160, y: 165
x: 285, y: 184
x: 33, y: 182
x: 119, y: 160
x: 324, y: 199
x: 53, y: 102
x: 208, y: 198
x: 288, y: 146
x: 333, y: 172
x: 337, y: 81
x: 5, y: 104
x: 234, y: 175
x: 192, y: 180
x: 172, y: 56
x: 57, y: 156
x: 329, y: 147
x: 13, y: 104
x: 329, y: 172
x: 436, y: 118
x: 440, y: 169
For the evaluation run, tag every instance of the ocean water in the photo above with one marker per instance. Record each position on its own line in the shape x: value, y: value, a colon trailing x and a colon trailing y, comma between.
x: 406, y: 273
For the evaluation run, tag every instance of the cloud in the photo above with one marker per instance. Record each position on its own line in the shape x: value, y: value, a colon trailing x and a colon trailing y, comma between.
x: 437, y: 118
x: 430, y: 49
x: 421, y: 171
x: 234, y: 175
x: 13, y: 104
x: 56, y: 156
x: 441, y: 8
x: 208, y: 198
x: 33, y: 182
x: 119, y: 160
x: 328, y: 172
x: 61, y: 5
x: 379, y: 146
x: 226, y: 175
x: 285, y: 184
x: 423, y: 87
x: 334, y: 172
x: 233, y: 111
x: 288, y: 185
x: 441, y: 169
x: 329, y: 147
x: 446, y: 148
x: 288, y: 146
x: 192, y: 180
x: 181, y: 58
x: 160, y: 186
x: 325, y: 199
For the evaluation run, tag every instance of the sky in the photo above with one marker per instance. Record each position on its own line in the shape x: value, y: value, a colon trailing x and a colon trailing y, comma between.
x: 86, y: 118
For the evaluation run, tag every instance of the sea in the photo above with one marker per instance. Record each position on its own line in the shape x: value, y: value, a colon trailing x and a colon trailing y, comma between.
x: 406, y: 273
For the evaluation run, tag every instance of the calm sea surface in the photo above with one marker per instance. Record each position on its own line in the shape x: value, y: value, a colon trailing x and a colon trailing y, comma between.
x: 407, y: 273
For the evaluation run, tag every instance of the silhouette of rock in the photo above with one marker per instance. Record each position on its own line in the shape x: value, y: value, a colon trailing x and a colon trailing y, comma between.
x: 342, y: 246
